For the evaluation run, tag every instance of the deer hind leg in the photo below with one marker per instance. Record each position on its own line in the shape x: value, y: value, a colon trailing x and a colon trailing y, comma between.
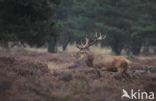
x: 125, y: 67
x: 121, y: 71
x: 126, y: 74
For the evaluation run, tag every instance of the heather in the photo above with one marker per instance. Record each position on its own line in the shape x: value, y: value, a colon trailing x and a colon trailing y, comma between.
x: 46, y: 77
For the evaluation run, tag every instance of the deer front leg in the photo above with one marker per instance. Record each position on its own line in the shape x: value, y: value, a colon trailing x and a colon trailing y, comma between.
x: 100, y: 69
x: 98, y: 73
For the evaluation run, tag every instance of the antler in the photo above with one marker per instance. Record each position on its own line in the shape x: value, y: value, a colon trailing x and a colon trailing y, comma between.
x: 90, y: 42
x: 101, y: 37
x: 96, y: 38
x: 83, y: 46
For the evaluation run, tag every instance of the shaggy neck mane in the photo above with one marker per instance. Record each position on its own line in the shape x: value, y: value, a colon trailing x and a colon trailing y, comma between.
x: 89, y: 60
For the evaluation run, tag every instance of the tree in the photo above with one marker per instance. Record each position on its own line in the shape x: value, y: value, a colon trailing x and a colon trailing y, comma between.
x: 125, y: 22
x: 143, y: 29
x: 28, y: 21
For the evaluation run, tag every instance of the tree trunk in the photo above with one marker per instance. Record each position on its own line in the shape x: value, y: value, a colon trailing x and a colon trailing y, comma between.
x: 52, y: 45
x: 136, y: 50
x: 65, y: 39
x: 128, y: 50
x: 117, y: 50
x: 146, y: 49
x: 64, y: 45
x: 154, y: 50
x: 5, y: 45
x: 117, y: 46
x: 136, y: 46
x: 103, y: 44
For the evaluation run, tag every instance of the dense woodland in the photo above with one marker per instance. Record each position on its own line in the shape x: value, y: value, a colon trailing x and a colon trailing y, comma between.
x: 129, y: 25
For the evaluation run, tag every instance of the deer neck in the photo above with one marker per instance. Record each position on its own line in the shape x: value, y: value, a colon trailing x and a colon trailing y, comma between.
x: 89, y: 60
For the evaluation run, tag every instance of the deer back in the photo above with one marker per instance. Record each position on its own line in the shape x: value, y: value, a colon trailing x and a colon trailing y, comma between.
x: 106, y: 61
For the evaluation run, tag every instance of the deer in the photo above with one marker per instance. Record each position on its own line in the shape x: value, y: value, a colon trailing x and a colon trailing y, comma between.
x: 101, y: 62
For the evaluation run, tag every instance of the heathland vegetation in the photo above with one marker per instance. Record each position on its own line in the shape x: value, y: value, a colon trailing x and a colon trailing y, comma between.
x: 30, y: 28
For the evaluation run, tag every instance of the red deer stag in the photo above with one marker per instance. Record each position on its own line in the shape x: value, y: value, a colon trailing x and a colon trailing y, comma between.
x: 101, y: 62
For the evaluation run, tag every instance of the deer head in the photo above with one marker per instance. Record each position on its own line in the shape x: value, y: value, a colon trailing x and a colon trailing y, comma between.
x: 83, y: 52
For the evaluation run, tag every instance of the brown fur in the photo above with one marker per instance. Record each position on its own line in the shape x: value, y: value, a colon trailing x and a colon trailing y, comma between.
x: 104, y: 62
x: 101, y: 62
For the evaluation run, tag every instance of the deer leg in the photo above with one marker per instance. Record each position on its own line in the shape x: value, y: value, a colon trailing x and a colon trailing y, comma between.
x: 98, y: 73
x: 127, y: 75
x: 121, y: 71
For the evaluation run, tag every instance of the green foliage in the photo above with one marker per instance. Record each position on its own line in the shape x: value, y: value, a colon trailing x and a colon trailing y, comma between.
x: 27, y: 21
x: 131, y: 56
x: 125, y: 22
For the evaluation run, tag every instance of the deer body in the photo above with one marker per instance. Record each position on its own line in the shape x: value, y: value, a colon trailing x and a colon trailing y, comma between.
x: 102, y: 62
x: 105, y: 62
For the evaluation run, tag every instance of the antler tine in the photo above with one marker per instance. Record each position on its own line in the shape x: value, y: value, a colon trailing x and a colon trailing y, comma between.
x: 81, y: 43
x: 96, y: 35
x: 87, y: 42
x: 101, y: 37
x: 104, y: 37
x: 84, y: 46
x: 80, y: 46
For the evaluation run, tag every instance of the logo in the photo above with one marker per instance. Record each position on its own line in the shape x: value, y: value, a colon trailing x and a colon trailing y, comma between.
x: 137, y: 95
